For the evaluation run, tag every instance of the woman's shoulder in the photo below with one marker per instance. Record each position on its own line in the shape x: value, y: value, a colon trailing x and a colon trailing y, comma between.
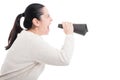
x: 28, y: 36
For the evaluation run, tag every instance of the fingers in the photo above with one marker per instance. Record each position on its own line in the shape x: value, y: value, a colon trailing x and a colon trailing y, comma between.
x: 68, y: 27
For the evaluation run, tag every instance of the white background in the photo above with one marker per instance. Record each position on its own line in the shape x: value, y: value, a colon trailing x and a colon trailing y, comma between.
x: 96, y: 55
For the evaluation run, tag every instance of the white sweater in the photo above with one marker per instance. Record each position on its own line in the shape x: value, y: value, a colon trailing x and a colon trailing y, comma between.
x: 28, y: 55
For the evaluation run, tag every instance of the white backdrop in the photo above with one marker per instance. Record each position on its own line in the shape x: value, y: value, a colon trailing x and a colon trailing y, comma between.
x: 96, y: 55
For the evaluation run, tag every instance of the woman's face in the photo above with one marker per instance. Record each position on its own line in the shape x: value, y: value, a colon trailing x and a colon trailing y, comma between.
x: 45, y: 21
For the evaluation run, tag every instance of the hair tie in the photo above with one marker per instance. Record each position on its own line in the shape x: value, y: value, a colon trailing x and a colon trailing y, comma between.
x: 23, y: 14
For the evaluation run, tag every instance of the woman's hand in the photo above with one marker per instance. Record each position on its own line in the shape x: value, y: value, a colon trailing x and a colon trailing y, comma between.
x: 68, y: 27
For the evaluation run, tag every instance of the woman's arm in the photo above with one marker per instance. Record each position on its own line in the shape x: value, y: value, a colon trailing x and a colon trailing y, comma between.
x: 47, y: 54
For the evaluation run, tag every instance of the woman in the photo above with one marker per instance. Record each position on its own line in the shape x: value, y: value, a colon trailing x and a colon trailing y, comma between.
x: 28, y: 52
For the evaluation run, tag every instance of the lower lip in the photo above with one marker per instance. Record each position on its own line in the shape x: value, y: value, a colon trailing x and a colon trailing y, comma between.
x: 48, y: 27
x: 47, y: 30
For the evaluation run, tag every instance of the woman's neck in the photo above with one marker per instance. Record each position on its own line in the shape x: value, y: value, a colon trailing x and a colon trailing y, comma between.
x: 35, y: 31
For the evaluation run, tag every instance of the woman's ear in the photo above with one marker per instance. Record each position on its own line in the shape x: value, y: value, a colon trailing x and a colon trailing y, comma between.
x: 35, y: 22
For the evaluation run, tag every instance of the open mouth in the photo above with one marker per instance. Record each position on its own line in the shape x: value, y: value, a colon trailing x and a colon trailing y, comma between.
x: 48, y: 27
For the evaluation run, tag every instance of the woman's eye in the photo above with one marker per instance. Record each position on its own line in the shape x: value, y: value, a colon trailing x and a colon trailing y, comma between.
x: 48, y: 15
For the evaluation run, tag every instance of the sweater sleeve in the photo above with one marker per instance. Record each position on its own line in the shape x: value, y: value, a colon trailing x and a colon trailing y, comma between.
x: 49, y: 55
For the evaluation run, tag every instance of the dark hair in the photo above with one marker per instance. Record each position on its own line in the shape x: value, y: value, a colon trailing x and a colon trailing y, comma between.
x: 32, y: 11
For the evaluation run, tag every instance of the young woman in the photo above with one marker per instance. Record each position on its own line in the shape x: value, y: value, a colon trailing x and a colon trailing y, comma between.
x: 28, y: 52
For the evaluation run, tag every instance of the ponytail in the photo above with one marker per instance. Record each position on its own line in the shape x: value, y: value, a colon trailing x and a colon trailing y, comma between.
x: 14, y: 32
x: 32, y: 11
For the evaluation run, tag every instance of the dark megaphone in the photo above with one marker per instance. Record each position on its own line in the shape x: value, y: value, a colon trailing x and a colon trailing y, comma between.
x: 78, y: 28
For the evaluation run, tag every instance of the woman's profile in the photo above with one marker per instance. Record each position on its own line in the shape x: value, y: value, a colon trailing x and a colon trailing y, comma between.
x: 28, y: 52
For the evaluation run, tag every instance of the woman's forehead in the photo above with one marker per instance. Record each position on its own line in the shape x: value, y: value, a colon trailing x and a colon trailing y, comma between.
x: 45, y: 10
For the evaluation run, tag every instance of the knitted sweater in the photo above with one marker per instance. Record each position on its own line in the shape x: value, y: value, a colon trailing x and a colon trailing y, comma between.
x: 29, y: 53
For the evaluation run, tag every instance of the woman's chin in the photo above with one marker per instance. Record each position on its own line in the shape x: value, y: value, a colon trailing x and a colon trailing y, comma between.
x: 47, y: 33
